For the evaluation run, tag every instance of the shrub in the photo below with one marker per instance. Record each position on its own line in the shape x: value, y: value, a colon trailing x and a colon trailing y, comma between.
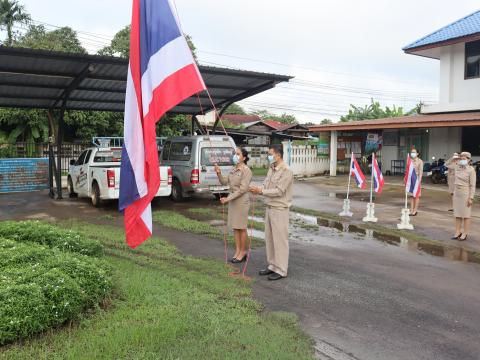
x: 42, y: 286
x: 47, y: 234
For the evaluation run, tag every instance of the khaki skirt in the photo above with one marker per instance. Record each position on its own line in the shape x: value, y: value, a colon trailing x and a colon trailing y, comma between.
x: 460, y: 199
x: 238, y: 212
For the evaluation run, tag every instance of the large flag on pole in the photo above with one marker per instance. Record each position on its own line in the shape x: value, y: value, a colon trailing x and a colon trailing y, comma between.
x: 412, y: 183
x: 161, y: 74
x: 378, y: 181
x: 357, y: 173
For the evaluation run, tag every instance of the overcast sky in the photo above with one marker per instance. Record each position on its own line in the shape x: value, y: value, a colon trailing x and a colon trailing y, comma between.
x: 340, y: 52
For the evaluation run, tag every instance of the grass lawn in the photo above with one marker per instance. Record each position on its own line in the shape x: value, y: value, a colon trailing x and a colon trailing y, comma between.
x: 176, y: 221
x: 169, y: 306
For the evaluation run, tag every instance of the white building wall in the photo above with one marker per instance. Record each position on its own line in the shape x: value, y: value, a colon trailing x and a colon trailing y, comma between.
x: 456, y: 92
x: 389, y: 153
x: 443, y: 142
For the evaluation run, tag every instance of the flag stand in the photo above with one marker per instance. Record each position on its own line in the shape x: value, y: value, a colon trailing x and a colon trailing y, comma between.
x: 405, y: 219
x: 370, y: 217
x: 346, y: 202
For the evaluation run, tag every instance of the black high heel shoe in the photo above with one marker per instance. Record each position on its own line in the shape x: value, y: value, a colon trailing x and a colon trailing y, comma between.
x: 456, y: 237
x: 462, y: 239
x: 237, y: 261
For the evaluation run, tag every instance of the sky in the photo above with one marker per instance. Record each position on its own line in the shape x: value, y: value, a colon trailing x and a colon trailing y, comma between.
x: 340, y: 52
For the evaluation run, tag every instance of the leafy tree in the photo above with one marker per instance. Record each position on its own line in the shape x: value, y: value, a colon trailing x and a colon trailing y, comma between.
x: 11, y: 12
x: 326, y: 121
x: 173, y: 125
x: 120, y: 44
x: 235, y: 109
x: 372, y: 111
x: 62, y: 39
x: 284, y: 118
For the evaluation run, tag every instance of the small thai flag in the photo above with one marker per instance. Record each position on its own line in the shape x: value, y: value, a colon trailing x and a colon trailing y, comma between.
x: 357, y: 173
x: 162, y: 73
x: 378, y: 181
x: 412, y: 183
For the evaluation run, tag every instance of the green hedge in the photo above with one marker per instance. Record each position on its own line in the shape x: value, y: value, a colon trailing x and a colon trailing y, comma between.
x: 50, y: 235
x: 43, y: 286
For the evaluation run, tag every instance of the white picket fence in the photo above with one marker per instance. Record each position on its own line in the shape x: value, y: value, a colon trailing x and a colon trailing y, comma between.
x: 304, y: 161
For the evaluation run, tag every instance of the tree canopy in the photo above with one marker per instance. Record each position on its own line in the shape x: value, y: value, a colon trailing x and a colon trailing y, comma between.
x: 284, y: 118
x: 372, y: 111
x: 235, y: 109
x: 11, y: 12
x: 62, y: 39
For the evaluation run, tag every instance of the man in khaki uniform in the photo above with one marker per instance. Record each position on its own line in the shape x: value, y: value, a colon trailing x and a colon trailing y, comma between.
x: 277, y: 190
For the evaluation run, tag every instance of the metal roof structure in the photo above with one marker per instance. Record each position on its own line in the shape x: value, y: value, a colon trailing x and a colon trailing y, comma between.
x: 460, y: 30
x: 31, y: 78
x: 405, y: 122
x: 42, y: 79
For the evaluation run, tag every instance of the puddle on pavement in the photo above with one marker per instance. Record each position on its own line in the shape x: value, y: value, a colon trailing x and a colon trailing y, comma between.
x: 331, y: 231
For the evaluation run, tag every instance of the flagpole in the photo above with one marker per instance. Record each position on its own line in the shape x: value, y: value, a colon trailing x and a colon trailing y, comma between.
x: 371, y: 180
x: 349, y: 176
x: 405, y: 217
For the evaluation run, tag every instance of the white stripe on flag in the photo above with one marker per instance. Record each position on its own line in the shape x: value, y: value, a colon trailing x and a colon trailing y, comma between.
x: 147, y: 217
x: 168, y: 60
x: 133, y: 136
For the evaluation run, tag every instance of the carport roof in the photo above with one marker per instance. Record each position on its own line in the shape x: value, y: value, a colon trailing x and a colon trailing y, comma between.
x: 31, y: 78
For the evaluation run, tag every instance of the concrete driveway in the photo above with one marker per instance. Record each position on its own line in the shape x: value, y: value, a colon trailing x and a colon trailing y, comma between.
x: 357, y: 297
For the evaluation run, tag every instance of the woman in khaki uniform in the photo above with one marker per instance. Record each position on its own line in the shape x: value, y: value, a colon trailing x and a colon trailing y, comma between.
x: 238, y: 201
x: 463, y: 194
x: 418, y: 165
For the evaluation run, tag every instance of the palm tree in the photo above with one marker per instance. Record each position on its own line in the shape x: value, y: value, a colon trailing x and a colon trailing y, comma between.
x: 12, y: 12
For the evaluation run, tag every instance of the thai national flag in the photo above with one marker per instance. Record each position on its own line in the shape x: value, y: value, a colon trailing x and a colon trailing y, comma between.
x: 357, y: 173
x: 161, y: 74
x: 378, y: 181
x: 412, y: 183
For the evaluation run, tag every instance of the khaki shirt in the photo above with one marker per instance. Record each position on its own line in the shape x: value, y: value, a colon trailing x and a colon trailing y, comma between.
x: 278, y: 187
x: 238, y: 180
x: 451, y: 165
x: 465, y: 178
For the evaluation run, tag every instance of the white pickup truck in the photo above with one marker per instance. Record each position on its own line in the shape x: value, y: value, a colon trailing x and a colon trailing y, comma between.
x: 96, y: 174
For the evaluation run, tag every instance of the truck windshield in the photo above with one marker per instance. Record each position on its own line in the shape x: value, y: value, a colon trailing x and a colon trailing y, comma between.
x: 217, y: 155
x: 108, y: 156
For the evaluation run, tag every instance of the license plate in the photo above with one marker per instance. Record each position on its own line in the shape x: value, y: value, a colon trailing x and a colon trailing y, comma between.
x: 217, y: 188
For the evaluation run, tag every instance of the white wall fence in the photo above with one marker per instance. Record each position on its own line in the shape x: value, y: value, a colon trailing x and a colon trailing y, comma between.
x: 257, y: 155
x: 304, y: 161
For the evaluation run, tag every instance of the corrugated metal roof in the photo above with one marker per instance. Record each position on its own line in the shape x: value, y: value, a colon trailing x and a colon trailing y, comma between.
x: 31, y: 78
x: 402, y: 122
x: 465, y: 26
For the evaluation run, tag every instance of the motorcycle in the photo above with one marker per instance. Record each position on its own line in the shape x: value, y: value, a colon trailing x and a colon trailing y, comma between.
x: 438, y: 171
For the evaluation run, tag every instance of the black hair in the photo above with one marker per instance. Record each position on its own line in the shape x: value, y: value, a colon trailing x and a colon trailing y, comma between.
x: 277, y: 149
x: 245, y: 155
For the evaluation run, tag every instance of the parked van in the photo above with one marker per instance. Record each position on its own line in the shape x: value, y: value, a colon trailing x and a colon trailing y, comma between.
x: 192, y: 159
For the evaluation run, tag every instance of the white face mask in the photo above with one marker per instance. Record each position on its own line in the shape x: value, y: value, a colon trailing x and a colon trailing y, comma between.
x: 235, y: 159
x: 413, y: 155
x: 271, y: 159
x: 463, y: 162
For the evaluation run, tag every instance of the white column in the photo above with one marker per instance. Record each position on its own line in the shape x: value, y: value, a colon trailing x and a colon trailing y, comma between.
x: 333, y: 153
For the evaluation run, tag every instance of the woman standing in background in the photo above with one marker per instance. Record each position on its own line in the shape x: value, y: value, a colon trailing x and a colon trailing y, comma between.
x: 463, y: 195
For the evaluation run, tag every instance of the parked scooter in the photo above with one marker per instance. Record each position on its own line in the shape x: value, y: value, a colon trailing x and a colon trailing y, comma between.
x: 438, y: 171
x: 476, y: 166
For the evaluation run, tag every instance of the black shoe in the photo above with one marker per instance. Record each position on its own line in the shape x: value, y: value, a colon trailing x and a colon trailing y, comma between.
x: 237, y: 261
x: 275, y: 276
x: 462, y: 239
x: 456, y: 237
x: 415, y: 214
x: 265, y: 272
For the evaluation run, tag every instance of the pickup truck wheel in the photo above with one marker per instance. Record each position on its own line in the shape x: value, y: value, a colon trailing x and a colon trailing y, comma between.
x: 96, y: 195
x: 177, y: 192
x: 71, y: 193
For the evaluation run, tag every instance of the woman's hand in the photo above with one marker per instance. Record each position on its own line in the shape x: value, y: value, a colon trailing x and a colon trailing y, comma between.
x: 224, y: 200
x: 469, y: 202
x: 255, y: 189
x: 217, y: 169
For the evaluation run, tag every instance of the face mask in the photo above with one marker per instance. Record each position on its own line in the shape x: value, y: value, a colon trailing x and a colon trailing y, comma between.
x: 413, y: 155
x: 271, y: 159
x: 235, y: 159
x: 463, y: 162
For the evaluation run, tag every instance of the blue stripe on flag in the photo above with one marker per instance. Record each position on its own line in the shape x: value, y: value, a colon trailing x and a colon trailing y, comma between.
x: 413, y: 181
x: 128, y: 190
x: 157, y: 28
